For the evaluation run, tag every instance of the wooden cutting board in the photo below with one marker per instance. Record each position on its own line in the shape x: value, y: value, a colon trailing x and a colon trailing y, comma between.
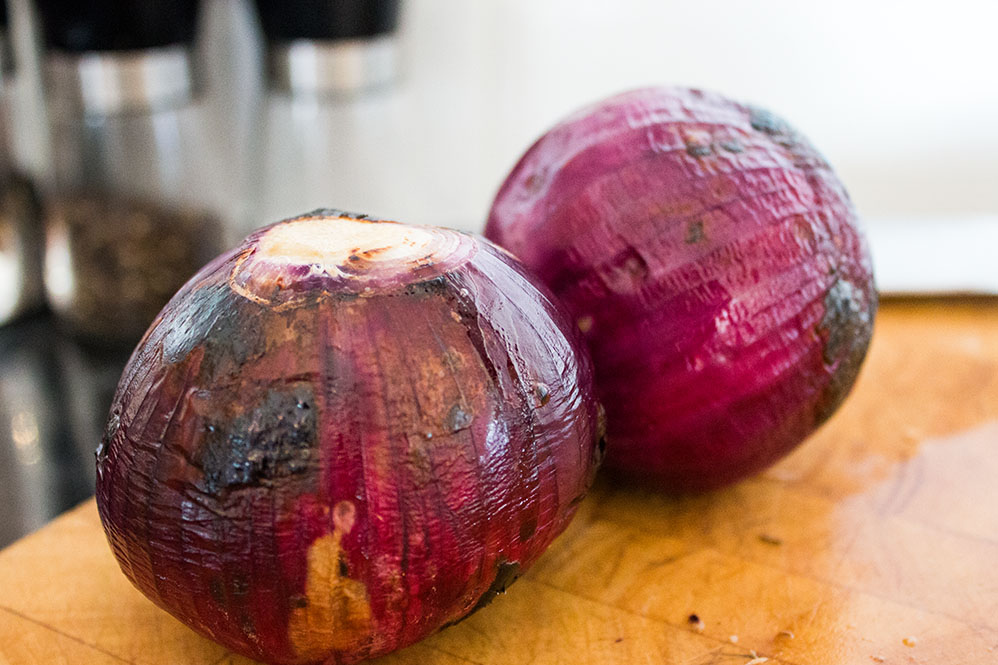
x: 877, y: 541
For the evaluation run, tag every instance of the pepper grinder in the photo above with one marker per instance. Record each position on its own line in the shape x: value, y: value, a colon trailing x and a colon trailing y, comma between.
x: 135, y: 207
x: 20, y: 223
x: 322, y: 47
x: 330, y: 95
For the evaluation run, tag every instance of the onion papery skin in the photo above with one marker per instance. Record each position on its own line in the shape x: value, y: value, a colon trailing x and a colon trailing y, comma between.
x: 309, y: 462
x: 716, y: 266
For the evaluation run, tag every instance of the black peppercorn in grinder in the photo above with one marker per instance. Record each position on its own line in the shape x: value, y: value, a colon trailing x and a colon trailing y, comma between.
x: 330, y: 46
x: 20, y: 221
x: 134, y: 210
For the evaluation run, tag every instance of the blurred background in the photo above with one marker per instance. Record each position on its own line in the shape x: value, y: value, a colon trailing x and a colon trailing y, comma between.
x: 138, y: 138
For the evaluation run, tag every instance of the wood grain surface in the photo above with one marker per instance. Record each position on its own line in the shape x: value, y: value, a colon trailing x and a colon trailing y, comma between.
x: 876, y: 541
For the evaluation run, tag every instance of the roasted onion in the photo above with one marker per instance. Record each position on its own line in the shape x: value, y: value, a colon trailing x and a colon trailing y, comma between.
x: 716, y: 266
x: 343, y: 435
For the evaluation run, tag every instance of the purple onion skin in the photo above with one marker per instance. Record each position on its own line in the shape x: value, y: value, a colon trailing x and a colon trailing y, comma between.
x: 308, y: 468
x: 716, y: 267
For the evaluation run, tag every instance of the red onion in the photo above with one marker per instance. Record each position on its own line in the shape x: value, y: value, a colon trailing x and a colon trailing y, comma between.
x: 714, y: 263
x: 344, y: 435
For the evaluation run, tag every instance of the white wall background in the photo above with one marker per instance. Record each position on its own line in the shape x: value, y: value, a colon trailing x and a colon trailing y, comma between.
x: 901, y: 96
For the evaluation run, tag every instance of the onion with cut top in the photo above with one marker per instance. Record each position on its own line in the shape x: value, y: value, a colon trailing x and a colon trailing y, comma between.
x: 714, y: 263
x: 343, y: 435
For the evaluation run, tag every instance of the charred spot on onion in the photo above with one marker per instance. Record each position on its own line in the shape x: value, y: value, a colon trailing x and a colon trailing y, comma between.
x: 273, y: 440
x: 507, y: 572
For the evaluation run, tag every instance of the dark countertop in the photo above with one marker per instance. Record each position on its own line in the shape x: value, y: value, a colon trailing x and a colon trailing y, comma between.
x: 54, y: 397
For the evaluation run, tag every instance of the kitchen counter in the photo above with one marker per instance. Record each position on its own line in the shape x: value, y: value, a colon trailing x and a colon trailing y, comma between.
x: 54, y: 397
x: 876, y: 541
